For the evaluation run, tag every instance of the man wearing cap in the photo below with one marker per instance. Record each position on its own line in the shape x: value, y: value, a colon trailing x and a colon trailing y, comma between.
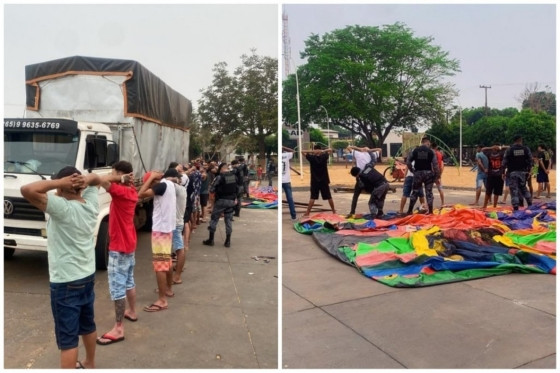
x: 73, y: 211
x: 517, y: 164
x: 225, y: 189
x: 160, y: 187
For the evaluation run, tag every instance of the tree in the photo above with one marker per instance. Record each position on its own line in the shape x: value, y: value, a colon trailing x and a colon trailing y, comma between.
x: 536, y: 128
x: 241, y: 109
x: 487, y: 131
x: 258, y: 89
x: 538, y: 100
x: 372, y: 80
x: 315, y: 135
x: 218, y: 111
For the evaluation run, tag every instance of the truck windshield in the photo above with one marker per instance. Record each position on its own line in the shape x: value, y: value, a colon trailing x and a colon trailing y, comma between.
x: 39, y: 152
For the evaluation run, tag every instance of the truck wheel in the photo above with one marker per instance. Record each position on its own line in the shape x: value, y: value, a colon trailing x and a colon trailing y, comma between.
x: 102, y: 246
x: 8, y: 253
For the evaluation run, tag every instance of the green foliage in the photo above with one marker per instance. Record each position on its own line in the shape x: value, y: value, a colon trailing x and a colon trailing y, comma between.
x: 372, y: 80
x: 536, y: 128
x: 500, y: 127
x: 315, y: 135
x: 271, y: 144
x: 339, y: 144
x: 241, y: 109
x: 486, y: 131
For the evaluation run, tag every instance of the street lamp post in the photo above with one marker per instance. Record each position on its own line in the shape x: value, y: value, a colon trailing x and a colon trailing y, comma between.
x: 460, y: 139
x: 328, y: 131
x: 299, y: 127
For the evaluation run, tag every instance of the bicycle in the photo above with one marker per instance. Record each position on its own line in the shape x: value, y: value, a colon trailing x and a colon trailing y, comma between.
x: 396, y: 170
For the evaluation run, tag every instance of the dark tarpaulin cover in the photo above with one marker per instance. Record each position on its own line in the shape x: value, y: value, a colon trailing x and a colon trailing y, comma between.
x: 147, y: 96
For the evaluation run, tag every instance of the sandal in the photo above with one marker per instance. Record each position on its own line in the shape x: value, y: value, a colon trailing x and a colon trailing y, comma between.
x: 154, y: 308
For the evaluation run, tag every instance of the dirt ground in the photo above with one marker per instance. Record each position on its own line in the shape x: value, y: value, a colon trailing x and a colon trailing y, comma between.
x: 452, y: 177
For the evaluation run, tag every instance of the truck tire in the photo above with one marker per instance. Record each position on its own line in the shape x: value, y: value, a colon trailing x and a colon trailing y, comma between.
x: 102, y: 246
x: 8, y: 253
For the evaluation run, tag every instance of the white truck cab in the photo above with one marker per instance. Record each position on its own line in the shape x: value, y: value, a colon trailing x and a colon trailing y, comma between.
x: 37, y: 149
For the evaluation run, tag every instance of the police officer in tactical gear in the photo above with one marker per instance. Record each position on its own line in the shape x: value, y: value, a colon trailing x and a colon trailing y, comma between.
x: 425, y: 171
x: 225, y: 189
x: 245, y: 173
x: 517, y: 165
x: 375, y: 184
x: 238, y: 172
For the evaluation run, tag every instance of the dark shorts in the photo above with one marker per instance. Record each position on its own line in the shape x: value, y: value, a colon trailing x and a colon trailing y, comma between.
x: 323, y: 188
x: 72, y: 309
x: 188, y: 213
x: 542, y: 177
x: 407, y: 188
x: 494, y: 185
x: 204, y: 200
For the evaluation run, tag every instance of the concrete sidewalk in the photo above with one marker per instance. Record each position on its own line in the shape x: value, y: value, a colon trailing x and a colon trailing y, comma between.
x: 224, y: 315
x: 334, y: 317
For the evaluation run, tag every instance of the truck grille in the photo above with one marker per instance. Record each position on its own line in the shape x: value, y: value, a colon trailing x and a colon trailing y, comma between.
x: 23, y: 231
x: 19, y: 208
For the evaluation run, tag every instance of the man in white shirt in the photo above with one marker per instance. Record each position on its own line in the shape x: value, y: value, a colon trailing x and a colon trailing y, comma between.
x: 287, y: 154
x: 362, y: 156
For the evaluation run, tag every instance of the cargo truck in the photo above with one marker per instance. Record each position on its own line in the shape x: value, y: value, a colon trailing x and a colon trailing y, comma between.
x: 88, y: 113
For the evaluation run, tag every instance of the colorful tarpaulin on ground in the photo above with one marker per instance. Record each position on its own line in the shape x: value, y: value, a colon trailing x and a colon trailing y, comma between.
x: 265, y: 197
x: 454, y: 244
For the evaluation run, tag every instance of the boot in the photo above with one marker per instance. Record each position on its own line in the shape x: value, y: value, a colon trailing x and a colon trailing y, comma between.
x: 210, y: 240
x: 228, y: 242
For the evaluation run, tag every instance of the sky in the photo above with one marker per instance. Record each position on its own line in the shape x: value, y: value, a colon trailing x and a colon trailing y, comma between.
x: 508, y: 47
x: 180, y: 43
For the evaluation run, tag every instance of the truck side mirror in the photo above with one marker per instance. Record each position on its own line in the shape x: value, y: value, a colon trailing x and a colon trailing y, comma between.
x: 112, y: 154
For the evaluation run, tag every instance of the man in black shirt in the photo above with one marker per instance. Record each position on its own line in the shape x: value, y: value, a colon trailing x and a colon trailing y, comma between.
x: 425, y: 172
x: 517, y: 165
x: 318, y: 160
x: 495, y: 179
x: 545, y: 164
x: 376, y: 184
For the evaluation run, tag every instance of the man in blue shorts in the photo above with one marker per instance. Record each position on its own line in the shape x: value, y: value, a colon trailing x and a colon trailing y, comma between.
x: 122, y: 247
x: 481, y: 173
x: 73, y: 211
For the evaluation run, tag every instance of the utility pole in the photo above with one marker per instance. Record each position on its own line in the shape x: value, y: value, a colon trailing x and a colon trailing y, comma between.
x: 485, y: 98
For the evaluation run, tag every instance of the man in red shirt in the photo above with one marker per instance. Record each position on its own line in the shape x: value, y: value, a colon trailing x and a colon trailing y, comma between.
x: 122, y: 245
x: 439, y: 157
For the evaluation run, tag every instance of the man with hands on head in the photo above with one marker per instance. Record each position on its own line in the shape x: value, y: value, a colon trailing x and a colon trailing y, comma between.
x: 160, y: 187
x: 73, y: 212
x: 122, y: 246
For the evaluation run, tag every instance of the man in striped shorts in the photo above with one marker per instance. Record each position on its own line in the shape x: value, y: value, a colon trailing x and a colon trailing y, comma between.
x: 160, y: 187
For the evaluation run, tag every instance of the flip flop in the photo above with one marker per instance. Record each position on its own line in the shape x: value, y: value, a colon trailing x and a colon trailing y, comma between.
x: 177, y: 282
x: 154, y: 308
x: 130, y: 318
x: 110, y: 338
x: 79, y: 365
